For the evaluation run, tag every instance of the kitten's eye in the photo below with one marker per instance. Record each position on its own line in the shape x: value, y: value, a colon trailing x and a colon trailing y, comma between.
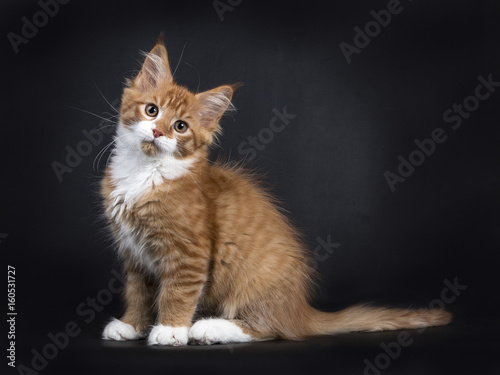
x: 151, y: 110
x: 180, y: 126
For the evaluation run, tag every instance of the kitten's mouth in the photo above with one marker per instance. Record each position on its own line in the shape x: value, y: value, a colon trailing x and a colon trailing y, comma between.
x: 149, y: 148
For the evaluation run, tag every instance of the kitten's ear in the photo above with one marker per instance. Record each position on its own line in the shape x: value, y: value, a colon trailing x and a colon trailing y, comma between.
x: 213, y: 103
x: 155, y: 68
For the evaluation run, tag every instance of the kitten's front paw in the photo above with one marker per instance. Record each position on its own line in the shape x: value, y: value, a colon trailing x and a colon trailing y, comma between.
x: 119, y: 331
x: 166, y: 335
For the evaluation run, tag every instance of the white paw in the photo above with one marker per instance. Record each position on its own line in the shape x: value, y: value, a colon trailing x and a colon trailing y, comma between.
x: 166, y: 335
x: 212, y: 331
x: 119, y: 331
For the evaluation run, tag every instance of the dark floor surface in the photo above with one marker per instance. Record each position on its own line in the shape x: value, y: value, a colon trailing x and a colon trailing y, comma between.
x: 460, y: 348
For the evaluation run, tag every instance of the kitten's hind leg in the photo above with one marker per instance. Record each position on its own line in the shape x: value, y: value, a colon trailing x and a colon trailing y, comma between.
x: 222, y: 331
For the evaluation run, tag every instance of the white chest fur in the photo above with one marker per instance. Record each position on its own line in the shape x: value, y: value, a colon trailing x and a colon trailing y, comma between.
x: 132, y: 175
x: 132, y: 245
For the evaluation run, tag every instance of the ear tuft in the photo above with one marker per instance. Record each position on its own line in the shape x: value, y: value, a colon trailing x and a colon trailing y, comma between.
x: 155, y: 68
x: 214, y: 103
x: 161, y: 39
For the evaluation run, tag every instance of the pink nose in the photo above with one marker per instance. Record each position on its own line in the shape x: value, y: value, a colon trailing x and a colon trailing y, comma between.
x: 157, y: 133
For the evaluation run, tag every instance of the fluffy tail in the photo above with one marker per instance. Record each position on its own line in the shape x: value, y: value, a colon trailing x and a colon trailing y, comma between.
x: 370, y: 319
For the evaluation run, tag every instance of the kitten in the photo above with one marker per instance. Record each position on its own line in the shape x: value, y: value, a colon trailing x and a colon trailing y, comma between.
x: 209, y: 258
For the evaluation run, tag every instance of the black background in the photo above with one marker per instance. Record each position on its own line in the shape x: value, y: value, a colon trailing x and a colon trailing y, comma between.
x: 327, y: 166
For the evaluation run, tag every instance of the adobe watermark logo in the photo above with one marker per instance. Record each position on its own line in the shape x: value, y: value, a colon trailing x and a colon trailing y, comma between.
x: 59, y: 341
x: 362, y: 38
x: 91, y: 139
x: 30, y: 28
x: 222, y: 7
x: 323, y: 251
x: 265, y: 135
x: 74, y: 156
x: 393, y: 350
x: 427, y: 146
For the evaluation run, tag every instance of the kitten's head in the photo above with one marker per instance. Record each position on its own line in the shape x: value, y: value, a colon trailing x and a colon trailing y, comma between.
x: 163, y: 118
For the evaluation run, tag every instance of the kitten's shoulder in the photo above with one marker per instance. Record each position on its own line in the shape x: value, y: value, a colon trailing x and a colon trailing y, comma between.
x: 229, y: 173
x: 233, y: 177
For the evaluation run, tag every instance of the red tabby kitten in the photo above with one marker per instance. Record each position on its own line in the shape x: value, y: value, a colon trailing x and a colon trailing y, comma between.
x: 209, y: 258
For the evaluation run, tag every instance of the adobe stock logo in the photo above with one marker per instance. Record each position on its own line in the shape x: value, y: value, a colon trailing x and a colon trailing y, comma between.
x: 392, y: 351
x: 323, y: 251
x: 427, y: 146
x: 30, y: 28
x: 91, y: 139
x: 265, y: 135
x: 362, y: 38
x: 74, y: 156
x: 222, y: 7
x: 59, y: 341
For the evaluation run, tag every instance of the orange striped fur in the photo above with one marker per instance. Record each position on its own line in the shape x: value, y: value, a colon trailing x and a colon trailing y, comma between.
x: 205, y: 240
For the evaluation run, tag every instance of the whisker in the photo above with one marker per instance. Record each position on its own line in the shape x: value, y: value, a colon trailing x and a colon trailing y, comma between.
x: 180, y: 58
x: 129, y: 148
x: 107, y: 126
x: 104, y: 149
x: 99, y: 156
x: 199, y: 78
x: 111, y: 115
x: 100, y: 92
x: 107, y: 160
x: 191, y: 174
x: 90, y: 113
